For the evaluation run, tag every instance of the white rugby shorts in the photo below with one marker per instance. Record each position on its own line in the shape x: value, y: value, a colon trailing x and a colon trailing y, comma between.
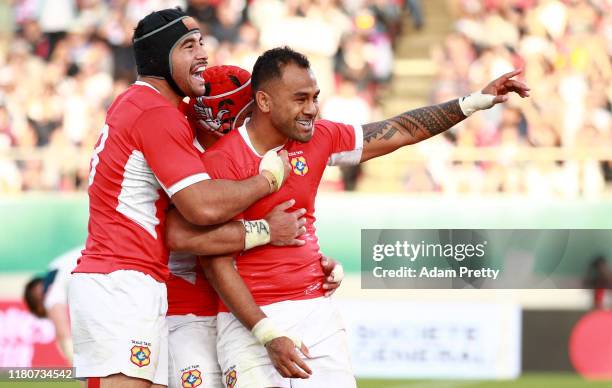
x: 119, y: 325
x: 317, y: 322
x: 192, y: 358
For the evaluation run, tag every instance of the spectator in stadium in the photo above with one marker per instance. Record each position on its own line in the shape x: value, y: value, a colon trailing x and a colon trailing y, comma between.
x: 566, y: 59
x: 290, y: 291
x: 100, y: 32
x: 46, y: 296
x: 144, y: 158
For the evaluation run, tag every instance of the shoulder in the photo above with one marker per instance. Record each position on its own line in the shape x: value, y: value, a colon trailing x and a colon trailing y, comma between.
x: 231, y: 143
x: 228, y: 158
x: 223, y: 151
x: 146, y: 105
x: 327, y: 127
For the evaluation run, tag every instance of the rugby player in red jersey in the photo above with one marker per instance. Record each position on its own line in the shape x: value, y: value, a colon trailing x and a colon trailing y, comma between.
x: 192, y: 302
x: 275, y: 293
x: 143, y: 159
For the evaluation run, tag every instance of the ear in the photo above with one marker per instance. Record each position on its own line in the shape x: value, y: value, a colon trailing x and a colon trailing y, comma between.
x: 262, y: 99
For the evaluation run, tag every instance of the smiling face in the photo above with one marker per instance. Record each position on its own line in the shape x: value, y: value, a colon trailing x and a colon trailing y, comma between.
x: 188, y: 62
x: 293, y: 102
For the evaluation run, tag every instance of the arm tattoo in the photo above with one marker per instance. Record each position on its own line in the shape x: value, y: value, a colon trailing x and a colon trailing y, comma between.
x: 418, y: 124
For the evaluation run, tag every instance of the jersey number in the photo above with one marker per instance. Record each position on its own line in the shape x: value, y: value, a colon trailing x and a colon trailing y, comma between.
x: 95, y: 159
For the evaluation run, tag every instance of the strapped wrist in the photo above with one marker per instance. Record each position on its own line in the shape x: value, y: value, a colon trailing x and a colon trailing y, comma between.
x: 475, y: 102
x: 272, y: 181
x: 257, y: 233
x: 265, y: 331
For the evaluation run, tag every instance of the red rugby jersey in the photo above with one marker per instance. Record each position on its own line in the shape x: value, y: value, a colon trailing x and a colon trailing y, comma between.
x: 271, y: 273
x: 188, y: 290
x: 144, y: 155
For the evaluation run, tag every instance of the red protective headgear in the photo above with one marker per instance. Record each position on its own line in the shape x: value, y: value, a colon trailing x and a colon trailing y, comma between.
x: 228, y: 94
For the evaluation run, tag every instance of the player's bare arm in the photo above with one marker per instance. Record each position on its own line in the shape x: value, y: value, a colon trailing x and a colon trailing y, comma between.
x: 278, y: 228
x: 222, y: 275
x: 383, y: 137
x: 215, y: 201
x: 57, y: 315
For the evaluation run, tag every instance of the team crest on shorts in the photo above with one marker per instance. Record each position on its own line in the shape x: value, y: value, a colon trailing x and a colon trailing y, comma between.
x: 191, y: 378
x: 299, y: 165
x: 231, y: 377
x: 141, y: 356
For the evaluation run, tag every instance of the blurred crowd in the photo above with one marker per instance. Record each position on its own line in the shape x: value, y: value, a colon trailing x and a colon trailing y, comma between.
x: 565, y: 48
x: 62, y: 62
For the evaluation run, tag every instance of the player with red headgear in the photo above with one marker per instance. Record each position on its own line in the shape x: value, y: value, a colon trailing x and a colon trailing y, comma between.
x: 192, y: 302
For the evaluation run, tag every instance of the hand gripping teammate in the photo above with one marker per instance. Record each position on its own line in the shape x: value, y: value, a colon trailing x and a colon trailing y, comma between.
x: 273, y: 296
x: 144, y: 159
x: 192, y: 302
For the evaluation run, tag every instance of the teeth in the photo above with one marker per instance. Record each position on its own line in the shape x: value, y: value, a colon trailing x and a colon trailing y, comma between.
x: 306, y: 123
x: 200, y: 69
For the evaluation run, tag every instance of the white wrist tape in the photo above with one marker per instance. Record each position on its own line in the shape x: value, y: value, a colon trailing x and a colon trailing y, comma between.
x: 272, y: 163
x: 265, y: 331
x: 257, y: 233
x: 475, y: 102
x: 337, y: 273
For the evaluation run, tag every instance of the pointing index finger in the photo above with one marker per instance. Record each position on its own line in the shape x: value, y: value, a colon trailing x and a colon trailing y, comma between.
x: 511, y: 74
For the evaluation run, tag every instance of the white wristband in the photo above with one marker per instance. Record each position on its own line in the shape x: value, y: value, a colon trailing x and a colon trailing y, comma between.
x: 257, y: 233
x: 273, y: 163
x: 265, y: 331
x: 475, y: 102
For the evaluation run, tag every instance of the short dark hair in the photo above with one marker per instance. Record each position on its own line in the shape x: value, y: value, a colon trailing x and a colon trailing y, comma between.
x: 28, y: 296
x: 269, y: 65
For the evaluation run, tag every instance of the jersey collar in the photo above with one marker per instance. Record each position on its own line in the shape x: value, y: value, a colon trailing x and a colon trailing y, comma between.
x: 245, y: 136
x: 143, y: 83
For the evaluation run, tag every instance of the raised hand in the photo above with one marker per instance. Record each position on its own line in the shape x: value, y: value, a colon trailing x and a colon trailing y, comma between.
x: 503, y: 85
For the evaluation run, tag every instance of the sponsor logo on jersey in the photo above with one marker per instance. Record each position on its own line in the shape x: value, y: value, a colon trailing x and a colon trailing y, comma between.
x: 191, y: 378
x: 141, y: 356
x: 300, y: 167
x: 231, y: 377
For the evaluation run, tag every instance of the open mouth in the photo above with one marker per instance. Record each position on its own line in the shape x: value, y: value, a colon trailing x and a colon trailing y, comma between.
x: 198, y: 73
x: 305, y: 124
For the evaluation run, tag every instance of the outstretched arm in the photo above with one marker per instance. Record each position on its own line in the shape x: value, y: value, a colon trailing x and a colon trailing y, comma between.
x: 383, y: 137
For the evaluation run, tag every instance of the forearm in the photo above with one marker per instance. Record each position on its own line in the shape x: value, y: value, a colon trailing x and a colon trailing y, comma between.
x: 222, y: 275
x: 182, y: 236
x: 215, y: 201
x: 410, y: 127
x: 57, y: 314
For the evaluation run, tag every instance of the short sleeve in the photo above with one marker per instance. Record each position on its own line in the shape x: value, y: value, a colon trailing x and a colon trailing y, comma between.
x: 346, y: 143
x: 166, y: 141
